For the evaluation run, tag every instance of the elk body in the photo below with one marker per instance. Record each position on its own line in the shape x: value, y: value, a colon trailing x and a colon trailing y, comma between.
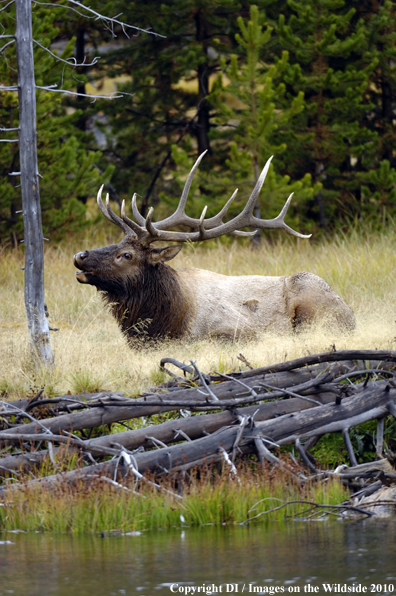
x: 148, y: 296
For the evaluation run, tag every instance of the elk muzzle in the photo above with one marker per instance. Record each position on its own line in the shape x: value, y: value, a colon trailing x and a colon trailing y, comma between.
x: 78, y: 261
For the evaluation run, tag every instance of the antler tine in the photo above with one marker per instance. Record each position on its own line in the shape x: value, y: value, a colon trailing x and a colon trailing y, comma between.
x: 117, y: 220
x: 278, y: 222
x: 100, y: 204
x: 136, y: 229
x: 201, y: 223
x: 241, y: 233
x: 183, y: 199
x: 154, y: 233
x: 108, y: 213
x: 179, y: 216
x: 218, y: 219
x: 257, y: 189
x: 136, y: 213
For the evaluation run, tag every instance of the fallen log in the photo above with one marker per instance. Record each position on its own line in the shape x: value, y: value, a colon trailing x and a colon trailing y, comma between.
x: 167, y: 432
x: 108, y: 413
x: 63, y: 402
x: 385, y: 356
x: 370, y: 403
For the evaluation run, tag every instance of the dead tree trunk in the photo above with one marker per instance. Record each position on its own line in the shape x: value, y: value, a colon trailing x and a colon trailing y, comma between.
x: 34, y: 255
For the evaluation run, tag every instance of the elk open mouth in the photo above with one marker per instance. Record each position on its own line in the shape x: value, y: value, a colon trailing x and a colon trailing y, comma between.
x: 82, y: 275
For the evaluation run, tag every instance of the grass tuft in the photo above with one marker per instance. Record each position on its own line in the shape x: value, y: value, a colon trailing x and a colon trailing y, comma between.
x: 82, y: 381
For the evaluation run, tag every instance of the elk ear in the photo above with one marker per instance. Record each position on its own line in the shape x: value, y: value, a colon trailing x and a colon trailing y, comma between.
x: 160, y: 255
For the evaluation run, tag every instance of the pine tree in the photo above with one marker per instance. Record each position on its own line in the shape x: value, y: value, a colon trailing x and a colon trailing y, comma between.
x: 326, y: 43
x: 376, y: 199
x: 253, y: 122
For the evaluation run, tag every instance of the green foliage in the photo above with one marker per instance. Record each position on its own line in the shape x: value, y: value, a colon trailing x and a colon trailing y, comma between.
x: 251, y: 122
x: 331, y: 450
x: 378, y: 191
x: 167, y: 79
x: 67, y: 169
x: 329, y: 63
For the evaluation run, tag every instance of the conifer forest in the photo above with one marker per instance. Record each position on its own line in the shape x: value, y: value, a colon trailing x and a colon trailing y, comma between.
x: 311, y: 82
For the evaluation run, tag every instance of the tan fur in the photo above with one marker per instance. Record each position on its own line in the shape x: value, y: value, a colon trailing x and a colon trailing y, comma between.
x: 244, y: 306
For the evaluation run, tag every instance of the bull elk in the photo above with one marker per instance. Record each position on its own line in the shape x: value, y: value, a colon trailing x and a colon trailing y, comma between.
x: 140, y: 287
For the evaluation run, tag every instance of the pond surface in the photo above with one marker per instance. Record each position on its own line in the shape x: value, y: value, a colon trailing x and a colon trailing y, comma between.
x: 265, y: 559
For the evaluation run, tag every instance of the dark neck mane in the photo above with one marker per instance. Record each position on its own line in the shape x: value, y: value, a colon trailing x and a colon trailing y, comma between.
x: 152, y: 304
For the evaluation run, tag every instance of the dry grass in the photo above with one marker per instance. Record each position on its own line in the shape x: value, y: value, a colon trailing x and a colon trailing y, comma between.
x: 91, y: 353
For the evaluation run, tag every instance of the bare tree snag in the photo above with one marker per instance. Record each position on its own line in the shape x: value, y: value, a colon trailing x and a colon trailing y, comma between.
x: 34, y: 254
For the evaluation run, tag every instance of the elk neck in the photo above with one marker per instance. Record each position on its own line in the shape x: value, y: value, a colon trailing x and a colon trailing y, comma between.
x: 151, y: 303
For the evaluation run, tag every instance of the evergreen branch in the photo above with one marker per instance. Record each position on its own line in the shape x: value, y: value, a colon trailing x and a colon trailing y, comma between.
x: 7, y: 44
x: 161, y: 166
x: 94, y: 61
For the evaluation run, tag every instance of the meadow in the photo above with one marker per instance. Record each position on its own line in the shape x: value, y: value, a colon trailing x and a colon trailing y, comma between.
x: 91, y: 353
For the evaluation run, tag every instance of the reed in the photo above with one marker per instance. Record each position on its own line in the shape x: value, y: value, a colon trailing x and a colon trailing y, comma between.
x: 209, y: 498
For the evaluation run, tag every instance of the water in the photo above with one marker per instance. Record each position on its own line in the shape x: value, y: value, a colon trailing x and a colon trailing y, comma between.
x: 267, y: 559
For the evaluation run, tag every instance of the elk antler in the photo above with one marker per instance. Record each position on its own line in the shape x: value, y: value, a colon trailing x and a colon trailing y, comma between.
x: 146, y: 231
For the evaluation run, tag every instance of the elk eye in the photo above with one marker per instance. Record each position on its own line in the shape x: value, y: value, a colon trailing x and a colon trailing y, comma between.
x: 128, y: 256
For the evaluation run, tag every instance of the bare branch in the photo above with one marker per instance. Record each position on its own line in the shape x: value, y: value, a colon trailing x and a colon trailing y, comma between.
x: 94, y: 61
x: 25, y: 414
x: 94, y: 97
x: 8, y: 129
x: 9, y: 140
x: 7, y: 44
x: 6, y: 6
x: 97, y: 16
x: 67, y: 8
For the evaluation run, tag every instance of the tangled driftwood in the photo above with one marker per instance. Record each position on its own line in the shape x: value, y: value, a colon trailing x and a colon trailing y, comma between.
x: 254, y: 411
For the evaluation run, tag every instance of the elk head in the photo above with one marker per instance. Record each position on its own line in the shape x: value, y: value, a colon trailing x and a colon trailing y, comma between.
x: 107, y: 268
